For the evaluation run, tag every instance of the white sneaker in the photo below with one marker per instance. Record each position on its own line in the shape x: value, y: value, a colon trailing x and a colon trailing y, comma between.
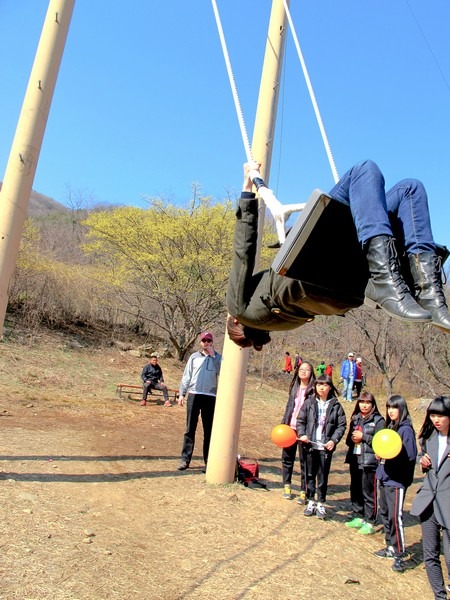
x: 320, y: 511
x: 310, y: 509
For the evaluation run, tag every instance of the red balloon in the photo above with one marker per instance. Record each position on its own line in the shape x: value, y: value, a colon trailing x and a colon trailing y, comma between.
x: 284, y: 436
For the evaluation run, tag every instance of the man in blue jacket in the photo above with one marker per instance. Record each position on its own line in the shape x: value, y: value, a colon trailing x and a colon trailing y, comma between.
x: 348, y: 374
x: 199, y: 386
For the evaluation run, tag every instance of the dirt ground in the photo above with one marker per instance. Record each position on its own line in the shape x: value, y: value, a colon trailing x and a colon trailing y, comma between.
x: 93, y: 507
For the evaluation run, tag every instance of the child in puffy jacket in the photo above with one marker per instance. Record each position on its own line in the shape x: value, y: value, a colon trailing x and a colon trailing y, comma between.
x: 366, y: 420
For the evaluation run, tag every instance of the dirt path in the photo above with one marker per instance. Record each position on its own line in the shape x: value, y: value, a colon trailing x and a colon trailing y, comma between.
x: 93, y: 508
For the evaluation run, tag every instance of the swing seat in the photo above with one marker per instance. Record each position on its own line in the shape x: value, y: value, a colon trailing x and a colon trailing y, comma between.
x: 322, y: 250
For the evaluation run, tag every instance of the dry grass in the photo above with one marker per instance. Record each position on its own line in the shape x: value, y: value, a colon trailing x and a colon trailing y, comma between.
x: 94, y: 508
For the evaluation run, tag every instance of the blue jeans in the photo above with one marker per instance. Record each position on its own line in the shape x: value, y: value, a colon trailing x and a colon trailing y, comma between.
x: 402, y: 212
x: 348, y: 388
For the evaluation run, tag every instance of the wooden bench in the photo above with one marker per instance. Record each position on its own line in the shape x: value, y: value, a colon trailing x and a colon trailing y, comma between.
x: 134, y: 392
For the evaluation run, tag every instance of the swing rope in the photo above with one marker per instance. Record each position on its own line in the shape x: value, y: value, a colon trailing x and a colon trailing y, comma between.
x: 279, y: 212
x: 312, y: 94
x: 234, y: 91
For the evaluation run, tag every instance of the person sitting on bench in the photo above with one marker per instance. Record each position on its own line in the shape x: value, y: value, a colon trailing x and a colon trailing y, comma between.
x: 152, y: 378
x: 385, y: 222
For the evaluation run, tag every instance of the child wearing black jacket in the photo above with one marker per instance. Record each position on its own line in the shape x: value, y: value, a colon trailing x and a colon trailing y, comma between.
x: 365, y: 422
x: 320, y: 426
x: 395, y: 475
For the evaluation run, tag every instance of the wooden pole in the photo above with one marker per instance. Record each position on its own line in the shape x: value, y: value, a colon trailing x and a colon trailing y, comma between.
x: 24, y: 155
x: 230, y: 394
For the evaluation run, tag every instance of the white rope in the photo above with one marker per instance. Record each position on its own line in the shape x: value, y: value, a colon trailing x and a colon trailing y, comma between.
x: 312, y: 95
x: 279, y: 212
x: 237, y: 103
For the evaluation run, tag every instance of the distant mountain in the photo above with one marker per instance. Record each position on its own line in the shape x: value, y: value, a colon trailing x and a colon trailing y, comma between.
x: 41, y: 205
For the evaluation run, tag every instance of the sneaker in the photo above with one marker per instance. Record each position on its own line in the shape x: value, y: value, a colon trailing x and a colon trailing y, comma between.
x: 301, y: 498
x: 399, y: 565
x: 320, y: 511
x: 183, y: 465
x: 355, y: 523
x: 287, y: 492
x: 143, y: 403
x: 310, y: 509
x: 167, y: 403
x: 385, y: 553
x: 366, y: 529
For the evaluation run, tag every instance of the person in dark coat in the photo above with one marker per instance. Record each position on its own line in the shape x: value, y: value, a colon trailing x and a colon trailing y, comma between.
x: 153, y: 378
x: 432, y: 501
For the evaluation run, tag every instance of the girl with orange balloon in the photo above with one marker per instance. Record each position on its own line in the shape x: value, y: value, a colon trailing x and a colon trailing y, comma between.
x: 302, y: 386
x: 395, y: 475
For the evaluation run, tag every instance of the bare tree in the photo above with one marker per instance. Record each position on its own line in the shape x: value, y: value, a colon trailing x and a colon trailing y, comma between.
x: 433, y: 351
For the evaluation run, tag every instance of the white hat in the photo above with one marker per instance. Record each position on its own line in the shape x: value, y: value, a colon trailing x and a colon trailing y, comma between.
x: 351, y: 354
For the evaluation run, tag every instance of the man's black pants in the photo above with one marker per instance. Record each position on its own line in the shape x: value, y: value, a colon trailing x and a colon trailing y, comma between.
x: 198, y: 405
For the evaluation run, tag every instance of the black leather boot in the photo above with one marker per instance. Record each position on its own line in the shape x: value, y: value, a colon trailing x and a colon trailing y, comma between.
x: 426, y: 272
x: 386, y: 287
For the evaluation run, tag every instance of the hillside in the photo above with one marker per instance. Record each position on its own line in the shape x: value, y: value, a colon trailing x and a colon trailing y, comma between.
x: 96, y: 510
x: 41, y: 205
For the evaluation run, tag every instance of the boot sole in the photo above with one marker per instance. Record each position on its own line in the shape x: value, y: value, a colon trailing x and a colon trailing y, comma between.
x: 372, y: 304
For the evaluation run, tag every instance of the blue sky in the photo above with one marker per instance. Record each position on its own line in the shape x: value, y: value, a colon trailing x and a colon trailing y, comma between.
x: 143, y: 106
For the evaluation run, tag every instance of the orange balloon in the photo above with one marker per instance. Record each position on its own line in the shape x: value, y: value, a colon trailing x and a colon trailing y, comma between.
x: 284, y: 436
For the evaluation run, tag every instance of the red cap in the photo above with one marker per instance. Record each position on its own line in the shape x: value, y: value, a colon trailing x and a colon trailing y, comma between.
x: 206, y: 335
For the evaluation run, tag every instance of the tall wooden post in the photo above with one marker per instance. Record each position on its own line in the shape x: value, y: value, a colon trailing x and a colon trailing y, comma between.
x: 230, y: 395
x: 23, y: 159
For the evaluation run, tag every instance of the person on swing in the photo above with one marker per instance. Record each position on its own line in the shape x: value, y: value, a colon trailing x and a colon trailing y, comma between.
x: 265, y: 301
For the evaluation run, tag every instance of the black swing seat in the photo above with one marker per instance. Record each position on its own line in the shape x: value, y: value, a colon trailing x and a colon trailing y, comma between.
x: 323, y: 251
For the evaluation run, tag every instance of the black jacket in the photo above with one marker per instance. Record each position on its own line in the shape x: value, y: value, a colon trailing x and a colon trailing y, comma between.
x: 399, y: 471
x: 369, y: 427
x: 266, y: 300
x: 152, y: 373
x: 335, y: 421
